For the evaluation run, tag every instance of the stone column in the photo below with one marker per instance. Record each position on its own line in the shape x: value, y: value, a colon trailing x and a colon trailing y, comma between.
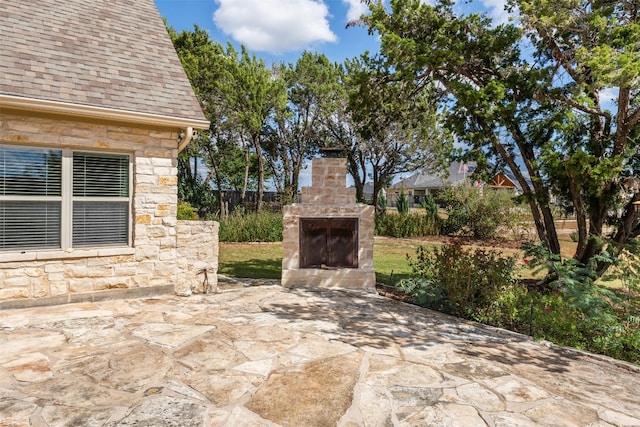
x: 198, y: 249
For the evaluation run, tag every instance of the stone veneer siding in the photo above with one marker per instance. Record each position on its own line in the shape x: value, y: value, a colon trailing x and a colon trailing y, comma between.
x: 197, y: 257
x: 151, y: 262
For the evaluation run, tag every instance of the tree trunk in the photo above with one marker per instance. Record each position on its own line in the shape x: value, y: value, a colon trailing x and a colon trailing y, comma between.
x: 377, y: 183
x: 537, y: 198
x: 358, y: 179
x: 581, y: 220
x: 260, y: 158
x: 243, y: 194
x: 629, y: 225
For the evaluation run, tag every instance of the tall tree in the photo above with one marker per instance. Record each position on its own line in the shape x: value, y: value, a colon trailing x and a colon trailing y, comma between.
x: 200, y: 58
x: 543, y: 116
x: 398, y: 130
x: 297, y: 131
x: 252, y: 93
x: 592, y: 49
x: 342, y: 132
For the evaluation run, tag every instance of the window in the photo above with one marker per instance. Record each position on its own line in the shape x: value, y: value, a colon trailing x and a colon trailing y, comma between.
x: 60, y: 199
x: 100, y: 199
x: 30, y: 198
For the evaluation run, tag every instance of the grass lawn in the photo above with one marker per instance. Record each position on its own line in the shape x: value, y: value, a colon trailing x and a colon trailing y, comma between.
x: 390, y: 258
x: 264, y: 260
x: 251, y: 260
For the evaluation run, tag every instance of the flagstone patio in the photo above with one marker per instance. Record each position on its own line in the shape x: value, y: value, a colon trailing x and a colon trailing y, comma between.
x: 273, y: 356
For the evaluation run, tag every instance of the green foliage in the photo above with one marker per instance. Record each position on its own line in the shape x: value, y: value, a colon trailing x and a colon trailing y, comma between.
x: 575, y: 281
x: 193, y: 190
x: 626, y: 266
x: 481, y: 286
x: 261, y: 226
x: 481, y: 215
x: 555, y: 318
x: 409, y: 225
x: 187, y: 212
x: 605, y: 321
x: 403, y: 203
x: 430, y: 206
x: 459, y: 281
x: 382, y: 201
x: 547, y: 119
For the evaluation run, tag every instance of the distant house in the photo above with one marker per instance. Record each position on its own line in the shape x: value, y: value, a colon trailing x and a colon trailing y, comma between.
x: 418, y: 185
x: 94, y: 108
x: 504, y: 181
x: 425, y: 182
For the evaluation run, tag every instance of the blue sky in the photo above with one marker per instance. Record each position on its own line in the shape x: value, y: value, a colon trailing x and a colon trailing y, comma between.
x: 280, y: 30
x: 276, y: 30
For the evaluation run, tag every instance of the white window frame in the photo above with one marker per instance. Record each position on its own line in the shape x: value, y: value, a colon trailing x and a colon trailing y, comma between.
x: 67, y: 199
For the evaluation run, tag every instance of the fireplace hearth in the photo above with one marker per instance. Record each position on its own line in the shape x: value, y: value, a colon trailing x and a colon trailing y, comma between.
x: 327, y: 237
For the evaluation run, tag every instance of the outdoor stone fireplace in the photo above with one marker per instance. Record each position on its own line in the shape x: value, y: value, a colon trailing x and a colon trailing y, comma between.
x: 328, y: 237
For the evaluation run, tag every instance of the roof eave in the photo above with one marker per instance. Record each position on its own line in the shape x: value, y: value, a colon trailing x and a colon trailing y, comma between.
x: 90, y: 111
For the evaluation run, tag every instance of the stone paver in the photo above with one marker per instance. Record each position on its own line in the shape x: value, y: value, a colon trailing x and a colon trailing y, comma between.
x: 272, y: 356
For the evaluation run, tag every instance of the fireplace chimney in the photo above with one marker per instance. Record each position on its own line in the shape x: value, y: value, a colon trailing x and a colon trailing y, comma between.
x: 328, y: 237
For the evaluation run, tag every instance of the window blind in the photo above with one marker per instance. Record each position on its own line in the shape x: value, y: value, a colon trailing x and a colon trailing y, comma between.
x: 100, y: 175
x: 30, y: 198
x: 100, y: 199
x: 29, y: 225
x: 30, y: 172
x: 100, y: 223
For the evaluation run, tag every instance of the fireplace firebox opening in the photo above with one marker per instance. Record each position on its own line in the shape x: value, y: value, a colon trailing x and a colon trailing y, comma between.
x: 328, y: 242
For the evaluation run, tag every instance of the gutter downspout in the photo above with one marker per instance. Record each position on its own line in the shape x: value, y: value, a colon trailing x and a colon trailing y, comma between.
x: 186, y: 139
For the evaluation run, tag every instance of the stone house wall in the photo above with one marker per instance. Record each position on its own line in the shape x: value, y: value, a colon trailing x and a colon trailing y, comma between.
x: 197, y: 257
x: 150, y: 265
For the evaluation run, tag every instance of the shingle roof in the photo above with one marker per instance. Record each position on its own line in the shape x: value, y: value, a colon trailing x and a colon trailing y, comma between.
x: 113, y: 54
x: 427, y: 179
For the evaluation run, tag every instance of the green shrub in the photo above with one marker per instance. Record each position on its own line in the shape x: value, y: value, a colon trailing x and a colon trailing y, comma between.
x: 195, y: 191
x: 479, y: 214
x: 403, y: 203
x: 550, y: 317
x: 251, y: 227
x: 460, y: 281
x: 186, y: 211
x: 604, y: 321
x: 408, y: 225
x: 555, y: 318
x: 382, y: 201
x: 482, y: 286
x: 430, y: 206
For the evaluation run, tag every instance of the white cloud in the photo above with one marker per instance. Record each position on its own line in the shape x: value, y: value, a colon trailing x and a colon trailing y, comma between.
x: 608, y: 98
x: 274, y: 26
x: 356, y: 9
x: 495, y: 9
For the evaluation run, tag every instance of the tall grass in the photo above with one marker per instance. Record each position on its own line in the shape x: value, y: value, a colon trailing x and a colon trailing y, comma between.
x: 251, y: 227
